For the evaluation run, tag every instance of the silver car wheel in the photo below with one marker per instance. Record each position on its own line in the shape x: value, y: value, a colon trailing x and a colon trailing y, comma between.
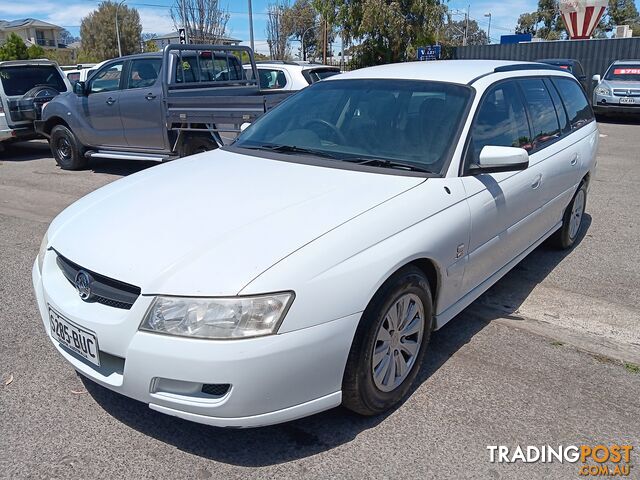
x: 576, y: 214
x: 398, y: 342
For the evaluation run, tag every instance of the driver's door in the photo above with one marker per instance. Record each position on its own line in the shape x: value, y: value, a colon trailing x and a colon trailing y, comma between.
x: 101, y: 108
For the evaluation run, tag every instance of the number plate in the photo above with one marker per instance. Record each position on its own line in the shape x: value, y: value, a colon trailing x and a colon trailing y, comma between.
x: 77, y: 339
x: 627, y: 100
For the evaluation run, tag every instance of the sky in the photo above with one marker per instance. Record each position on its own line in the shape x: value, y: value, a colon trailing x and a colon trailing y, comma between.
x: 154, y: 15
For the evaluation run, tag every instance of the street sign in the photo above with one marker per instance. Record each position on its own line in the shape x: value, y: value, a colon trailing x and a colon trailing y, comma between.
x: 182, y: 35
x: 430, y: 52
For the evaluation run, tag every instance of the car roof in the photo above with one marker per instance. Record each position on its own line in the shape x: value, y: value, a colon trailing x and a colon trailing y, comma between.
x: 626, y: 62
x: 558, y: 61
x: 452, y: 71
x: 293, y: 65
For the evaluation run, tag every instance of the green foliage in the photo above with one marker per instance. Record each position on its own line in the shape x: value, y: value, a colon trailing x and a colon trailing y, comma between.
x: 546, y: 22
x: 14, y: 49
x: 301, y: 19
x: 35, y: 51
x: 63, y: 56
x: 622, y: 12
x: 98, y: 32
x: 454, y: 33
x: 151, y: 46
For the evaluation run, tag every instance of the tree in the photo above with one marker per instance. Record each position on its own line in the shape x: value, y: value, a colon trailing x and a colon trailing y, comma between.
x: 546, y: 22
x: 36, y: 51
x: 14, y: 48
x: 388, y: 30
x: 276, y: 31
x: 98, y: 32
x: 622, y: 12
x: 66, y: 38
x: 454, y: 33
x: 302, y: 19
x: 205, y: 21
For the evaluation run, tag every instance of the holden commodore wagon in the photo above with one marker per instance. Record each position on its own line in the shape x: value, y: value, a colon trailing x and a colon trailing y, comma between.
x: 306, y: 265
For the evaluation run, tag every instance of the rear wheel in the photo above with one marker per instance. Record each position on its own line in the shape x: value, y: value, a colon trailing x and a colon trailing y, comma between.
x: 566, y: 236
x: 197, y: 144
x: 66, y: 149
x: 389, y: 344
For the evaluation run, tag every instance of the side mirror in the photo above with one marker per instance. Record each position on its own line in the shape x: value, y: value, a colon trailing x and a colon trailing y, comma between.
x: 79, y: 88
x: 596, y: 78
x: 244, y: 126
x: 500, y: 159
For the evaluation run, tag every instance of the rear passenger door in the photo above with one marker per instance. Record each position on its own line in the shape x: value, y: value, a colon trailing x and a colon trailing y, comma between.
x: 141, y: 105
x: 504, y: 206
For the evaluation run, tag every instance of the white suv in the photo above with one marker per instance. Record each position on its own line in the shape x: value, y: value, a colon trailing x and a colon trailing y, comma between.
x: 307, y: 264
x: 285, y: 75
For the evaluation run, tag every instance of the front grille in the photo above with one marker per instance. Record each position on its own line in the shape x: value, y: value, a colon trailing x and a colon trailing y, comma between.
x: 215, y: 389
x: 104, y: 290
x: 626, y: 92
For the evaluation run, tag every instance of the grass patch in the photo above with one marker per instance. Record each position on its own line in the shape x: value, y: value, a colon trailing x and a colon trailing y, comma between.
x: 631, y: 367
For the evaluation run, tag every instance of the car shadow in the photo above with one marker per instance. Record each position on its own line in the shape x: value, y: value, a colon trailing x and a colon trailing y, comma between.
x: 25, y: 151
x: 327, y: 430
x: 628, y: 119
x: 119, y: 167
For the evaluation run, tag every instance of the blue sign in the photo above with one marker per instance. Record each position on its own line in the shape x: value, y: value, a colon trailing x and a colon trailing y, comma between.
x: 517, y: 38
x: 430, y: 52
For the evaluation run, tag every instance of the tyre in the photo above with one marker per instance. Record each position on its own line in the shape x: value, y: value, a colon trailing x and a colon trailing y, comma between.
x: 66, y: 149
x: 197, y: 144
x: 567, y: 234
x: 389, y: 344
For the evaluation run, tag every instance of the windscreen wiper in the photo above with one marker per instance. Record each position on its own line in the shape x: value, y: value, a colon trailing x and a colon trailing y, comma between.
x: 386, y: 163
x: 291, y: 149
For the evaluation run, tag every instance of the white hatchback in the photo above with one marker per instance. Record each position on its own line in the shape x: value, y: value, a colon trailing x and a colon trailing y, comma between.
x: 307, y: 264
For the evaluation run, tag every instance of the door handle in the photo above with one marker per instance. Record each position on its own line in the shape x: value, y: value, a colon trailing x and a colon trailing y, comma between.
x: 111, y: 101
x: 574, y: 159
x: 150, y: 96
x: 536, y: 183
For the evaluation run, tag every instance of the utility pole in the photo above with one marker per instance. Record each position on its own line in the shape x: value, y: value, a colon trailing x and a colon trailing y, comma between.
x: 489, y: 28
x: 253, y: 47
x: 466, y: 26
x: 118, y: 29
x: 324, y: 41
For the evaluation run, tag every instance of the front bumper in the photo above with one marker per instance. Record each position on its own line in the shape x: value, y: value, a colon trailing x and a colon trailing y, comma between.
x: 611, y: 104
x: 272, y: 379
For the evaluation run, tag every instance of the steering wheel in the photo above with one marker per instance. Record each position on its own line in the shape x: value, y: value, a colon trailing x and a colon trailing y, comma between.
x: 333, y: 128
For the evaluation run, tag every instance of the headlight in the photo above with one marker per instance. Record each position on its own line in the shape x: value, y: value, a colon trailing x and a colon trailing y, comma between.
x: 217, y: 318
x: 603, y: 91
x: 43, y: 249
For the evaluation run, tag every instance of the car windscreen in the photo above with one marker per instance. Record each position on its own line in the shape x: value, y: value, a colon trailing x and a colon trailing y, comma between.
x: 19, y: 79
x: 625, y: 73
x: 317, y: 74
x: 366, y: 121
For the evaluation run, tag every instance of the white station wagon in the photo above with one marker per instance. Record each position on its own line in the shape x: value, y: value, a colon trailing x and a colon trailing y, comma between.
x: 306, y: 265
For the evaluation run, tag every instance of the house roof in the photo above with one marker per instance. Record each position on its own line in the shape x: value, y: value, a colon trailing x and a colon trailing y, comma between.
x: 25, y: 22
x: 175, y: 34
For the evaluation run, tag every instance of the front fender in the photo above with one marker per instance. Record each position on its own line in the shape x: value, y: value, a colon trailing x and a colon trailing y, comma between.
x: 337, y: 274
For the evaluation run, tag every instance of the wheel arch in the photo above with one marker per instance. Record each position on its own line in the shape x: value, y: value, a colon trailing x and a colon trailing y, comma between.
x: 52, y: 122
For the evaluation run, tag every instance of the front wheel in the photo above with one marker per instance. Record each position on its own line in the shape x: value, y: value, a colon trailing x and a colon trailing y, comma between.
x: 197, y: 144
x: 389, y: 344
x: 66, y: 149
x: 566, y: 236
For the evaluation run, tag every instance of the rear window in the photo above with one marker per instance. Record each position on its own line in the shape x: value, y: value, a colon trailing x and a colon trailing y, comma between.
x: 575, y: 102
x: 317, y: 74
x: 271, y: 78
x: 626, y: 73
x: 207, y: 67
x: 18, y: 80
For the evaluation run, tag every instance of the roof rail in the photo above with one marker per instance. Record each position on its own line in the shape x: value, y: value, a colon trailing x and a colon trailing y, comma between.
x: 526, y: 66
x: 279, y: 62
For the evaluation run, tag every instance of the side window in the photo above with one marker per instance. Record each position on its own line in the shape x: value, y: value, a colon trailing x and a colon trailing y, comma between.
x: 544, y: 121
x: 501, y: 121
x: 575, y: 102
x: 560, y: 111
x: 271, y: 78
x: 143, y: 72
x: 107, y: 79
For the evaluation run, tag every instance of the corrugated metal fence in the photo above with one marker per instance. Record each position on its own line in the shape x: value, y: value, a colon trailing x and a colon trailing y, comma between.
x: 594, y: 55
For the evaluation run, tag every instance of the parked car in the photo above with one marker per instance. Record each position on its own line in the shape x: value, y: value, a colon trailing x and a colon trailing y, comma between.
x: 82, y: 73
x: 25, y: 86
x: 155, y: 106
x: 307, y: 264
x: 571, y: 65
x: 286, y: 75
x: 619, y: 90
